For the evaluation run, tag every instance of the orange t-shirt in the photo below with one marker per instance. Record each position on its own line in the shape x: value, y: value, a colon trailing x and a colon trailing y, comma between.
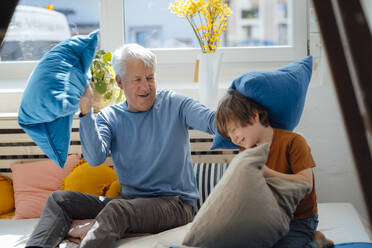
x: 290, y: 154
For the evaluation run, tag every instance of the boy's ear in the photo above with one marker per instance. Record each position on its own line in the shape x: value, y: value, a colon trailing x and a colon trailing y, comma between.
x: 256, y: 116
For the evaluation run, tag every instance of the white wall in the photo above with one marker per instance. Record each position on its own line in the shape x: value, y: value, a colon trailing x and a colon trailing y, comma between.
x: 323, y: 126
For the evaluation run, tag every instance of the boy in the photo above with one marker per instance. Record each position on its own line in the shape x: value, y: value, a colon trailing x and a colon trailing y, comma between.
x: 246, y: 123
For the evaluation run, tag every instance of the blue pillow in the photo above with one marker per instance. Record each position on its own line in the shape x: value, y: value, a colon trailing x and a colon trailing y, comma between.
x: 53, y: 92
x: 282, y: 92
x: 355, y: 245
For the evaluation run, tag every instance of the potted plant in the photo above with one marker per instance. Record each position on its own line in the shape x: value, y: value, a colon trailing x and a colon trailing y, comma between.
x: 103, y: 83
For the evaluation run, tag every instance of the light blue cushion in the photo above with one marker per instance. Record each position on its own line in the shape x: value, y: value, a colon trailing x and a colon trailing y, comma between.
x: 52, y: 95
x: 282, y: 92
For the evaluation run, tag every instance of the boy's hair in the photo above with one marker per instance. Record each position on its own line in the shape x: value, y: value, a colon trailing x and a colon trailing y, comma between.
x: 238, y: 108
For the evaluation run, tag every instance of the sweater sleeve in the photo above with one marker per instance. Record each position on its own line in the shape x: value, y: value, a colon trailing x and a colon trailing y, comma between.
x: 198, y: 116
x: 95, y: 137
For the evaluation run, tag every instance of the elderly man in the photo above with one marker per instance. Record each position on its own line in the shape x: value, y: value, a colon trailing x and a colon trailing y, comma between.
x: 148, y: 138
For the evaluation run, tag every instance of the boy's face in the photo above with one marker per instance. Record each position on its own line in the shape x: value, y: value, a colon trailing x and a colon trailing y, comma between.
x: 247, y: 136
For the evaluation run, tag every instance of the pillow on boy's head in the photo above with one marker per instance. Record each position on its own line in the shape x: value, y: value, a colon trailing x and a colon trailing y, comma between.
x: 53, y: 92
x: 282, y: 92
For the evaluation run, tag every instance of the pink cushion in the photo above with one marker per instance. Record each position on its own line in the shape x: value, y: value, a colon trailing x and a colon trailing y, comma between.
x: 33, y: 182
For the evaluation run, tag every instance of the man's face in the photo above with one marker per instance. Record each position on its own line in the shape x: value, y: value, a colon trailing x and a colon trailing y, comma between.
x: 138, y: 85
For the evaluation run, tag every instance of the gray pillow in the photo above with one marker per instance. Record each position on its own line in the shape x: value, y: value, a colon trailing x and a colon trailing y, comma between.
x: 244, y: 209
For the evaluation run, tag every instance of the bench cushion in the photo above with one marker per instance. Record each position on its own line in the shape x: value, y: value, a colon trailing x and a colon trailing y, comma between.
x: 6, y: 195
x: 84, y: 178
x: 33, y: 182
x: 207, y: 176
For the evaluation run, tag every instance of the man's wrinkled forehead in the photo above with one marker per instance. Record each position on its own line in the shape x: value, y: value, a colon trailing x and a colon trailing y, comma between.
x: 136, y: 67
x: 147, y: 72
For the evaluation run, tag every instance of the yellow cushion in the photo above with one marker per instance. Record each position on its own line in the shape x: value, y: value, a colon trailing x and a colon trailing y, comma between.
x: 6, y: 195
x: 88, y: 179
x: 9, y: 215
x: 114, y: 189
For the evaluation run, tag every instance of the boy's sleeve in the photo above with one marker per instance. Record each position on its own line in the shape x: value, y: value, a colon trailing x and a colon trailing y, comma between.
x: 299, y: 156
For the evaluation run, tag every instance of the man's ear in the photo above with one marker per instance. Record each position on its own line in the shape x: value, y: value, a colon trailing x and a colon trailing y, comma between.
x: 118, y: 81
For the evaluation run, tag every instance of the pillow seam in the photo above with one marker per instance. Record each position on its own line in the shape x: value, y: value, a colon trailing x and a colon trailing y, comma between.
x: 52, y: 144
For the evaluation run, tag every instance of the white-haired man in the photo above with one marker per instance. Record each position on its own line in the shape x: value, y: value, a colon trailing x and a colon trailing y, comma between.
x: 148, y: 138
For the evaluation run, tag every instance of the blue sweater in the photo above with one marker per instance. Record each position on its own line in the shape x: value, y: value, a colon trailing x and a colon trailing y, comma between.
x: 150, y: 150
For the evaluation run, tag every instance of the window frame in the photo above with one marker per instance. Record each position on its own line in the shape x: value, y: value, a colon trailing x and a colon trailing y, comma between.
x: 112, y: 36
x: 112, y: 13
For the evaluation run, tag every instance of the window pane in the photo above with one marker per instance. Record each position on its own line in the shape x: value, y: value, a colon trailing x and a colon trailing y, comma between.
x: 257, y: 23
x: 252, y: 23
x: 151, y: 24
x: 35, y: 29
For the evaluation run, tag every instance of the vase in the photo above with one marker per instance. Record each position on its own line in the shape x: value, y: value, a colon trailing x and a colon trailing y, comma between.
x: 208, y: 73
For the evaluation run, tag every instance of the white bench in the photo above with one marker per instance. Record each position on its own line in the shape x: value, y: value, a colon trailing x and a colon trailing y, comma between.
x: 16, y: 146
x: 339, y: 221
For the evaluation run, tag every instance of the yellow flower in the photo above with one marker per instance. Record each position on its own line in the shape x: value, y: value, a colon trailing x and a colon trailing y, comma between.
x: 207, y: 18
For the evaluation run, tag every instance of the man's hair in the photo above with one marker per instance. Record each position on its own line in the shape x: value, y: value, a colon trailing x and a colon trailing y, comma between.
x: 240, y: 109
x: 128, y: 51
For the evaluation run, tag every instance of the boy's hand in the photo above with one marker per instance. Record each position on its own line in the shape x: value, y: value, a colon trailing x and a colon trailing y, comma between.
x: 305, y: 175
x: 267, y: 172
x: 86, y: 100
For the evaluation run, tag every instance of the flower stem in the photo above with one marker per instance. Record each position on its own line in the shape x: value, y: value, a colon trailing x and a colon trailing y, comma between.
x: 196, y: 33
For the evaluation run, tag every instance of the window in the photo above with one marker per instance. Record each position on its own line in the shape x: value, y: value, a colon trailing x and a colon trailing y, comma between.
x: 257, y: 31
x: 147, y: 36
x: 260, y: 34
x: 154, y: 26
x: 254, y: 28
x: 253, y: 23
x: 37, y: 26
x: 258, y: 23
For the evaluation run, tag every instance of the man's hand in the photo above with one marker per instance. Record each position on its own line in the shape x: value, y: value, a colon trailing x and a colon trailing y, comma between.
x: 79, y: 229
x: 86, y: 100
